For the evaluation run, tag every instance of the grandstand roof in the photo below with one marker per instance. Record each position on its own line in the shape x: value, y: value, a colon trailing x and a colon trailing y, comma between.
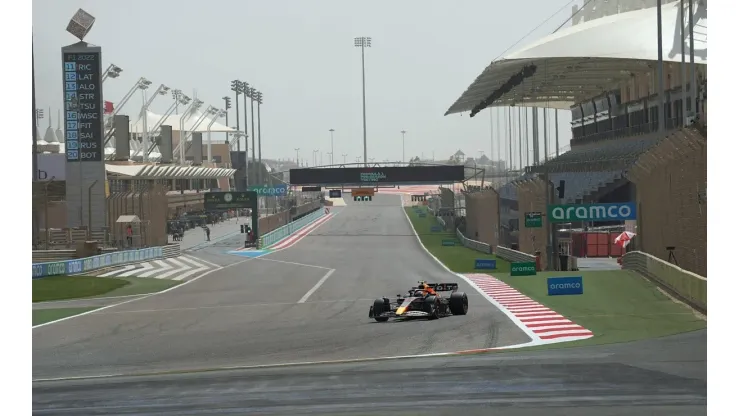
x: 167, y: 172
x: 585, y: 60
x: 174, y: 121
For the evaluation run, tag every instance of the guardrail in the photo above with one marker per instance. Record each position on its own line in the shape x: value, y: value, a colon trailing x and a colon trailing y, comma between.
x: 278, y: 234
x: 87, y: 264
x: 685, y: 285
x: 514, y: 256
x: 473, y: 244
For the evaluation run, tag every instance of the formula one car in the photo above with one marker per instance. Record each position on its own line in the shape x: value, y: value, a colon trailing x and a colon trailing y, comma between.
x: 422, y: 301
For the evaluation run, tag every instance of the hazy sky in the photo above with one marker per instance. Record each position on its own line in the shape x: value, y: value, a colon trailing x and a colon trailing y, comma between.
x: 301, y: 55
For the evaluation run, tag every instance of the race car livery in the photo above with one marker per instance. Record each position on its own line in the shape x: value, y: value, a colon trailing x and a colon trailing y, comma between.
x: 423, y: 301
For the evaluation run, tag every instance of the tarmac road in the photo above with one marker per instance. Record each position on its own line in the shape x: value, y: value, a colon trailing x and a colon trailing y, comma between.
x: 270, y: 310
x: 661, y: 377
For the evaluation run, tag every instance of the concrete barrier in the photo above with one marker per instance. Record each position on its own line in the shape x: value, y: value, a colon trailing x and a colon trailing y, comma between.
x: 268, y: 239
x: 514, y: 256
x: 473, y: 244
x: 689, y: 287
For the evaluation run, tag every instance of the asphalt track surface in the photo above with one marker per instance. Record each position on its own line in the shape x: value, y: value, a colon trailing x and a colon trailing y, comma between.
x: 662, y: 377
x: 251, y: 313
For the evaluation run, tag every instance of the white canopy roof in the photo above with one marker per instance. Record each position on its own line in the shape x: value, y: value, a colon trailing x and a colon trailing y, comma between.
x: 174, y: 121
x: 585, y: 60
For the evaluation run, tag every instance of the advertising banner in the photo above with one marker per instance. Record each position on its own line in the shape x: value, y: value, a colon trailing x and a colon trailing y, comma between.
x: 523, y: 269
x: 274, y: 190
x: 485, y: 264
x: 564, y: 286
x: 592, y: 212
x: 77, y: 266
x: 378, y: 175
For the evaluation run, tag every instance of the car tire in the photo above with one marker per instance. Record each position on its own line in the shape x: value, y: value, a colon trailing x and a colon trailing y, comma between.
x: 379, y: 306
x: 459, y: 303
x: 431, y: 307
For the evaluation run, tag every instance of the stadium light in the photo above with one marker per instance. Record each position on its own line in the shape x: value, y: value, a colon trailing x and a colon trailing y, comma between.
x: 141, y: 84
x: 258, y: 98
x: 179, y: 98
x: 113, y: 71
x: 196, y: 103
x: 217, y: 114
x: 227, y: 106
x: 332, y: 145
x: 362, y: 43
x: 237, y: 87
x: 161, y: 90
x: 197, y: 123
x: 403, y: 146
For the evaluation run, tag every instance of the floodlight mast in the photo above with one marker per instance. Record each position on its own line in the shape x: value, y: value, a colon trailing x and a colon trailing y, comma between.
x: 113, y: 71
x: 362, y: 43
x: 180, y: 98
x: 218, y: 114
x: 198, y: 122
x: 141, y: 84
x: 161, y: 90
x: 193, y: 105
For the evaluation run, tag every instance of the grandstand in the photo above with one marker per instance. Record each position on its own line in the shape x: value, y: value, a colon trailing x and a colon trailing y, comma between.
x: 617, y: 151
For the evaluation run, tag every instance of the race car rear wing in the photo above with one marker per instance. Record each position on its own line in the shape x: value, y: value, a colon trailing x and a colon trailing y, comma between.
x: 443, y: 287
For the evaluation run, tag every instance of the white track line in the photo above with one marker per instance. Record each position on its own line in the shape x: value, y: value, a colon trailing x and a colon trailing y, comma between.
x: 535, y: 339
x: 316, y: 286
x: 143, y: 297
x: 293, y: 263
x: 182, y: 268
x: 146, y: 266
x: 115, y: 272
x: 198, y: 259
x: 189, y: 272
x: 191, y: 261
x: 163, y: 267
x: 240, y: 305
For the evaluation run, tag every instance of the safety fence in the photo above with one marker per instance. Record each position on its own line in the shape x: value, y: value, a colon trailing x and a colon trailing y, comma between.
x: 685, y: 285
x: 87, y: 264
x: 274, y: 236
x: 473, y: 244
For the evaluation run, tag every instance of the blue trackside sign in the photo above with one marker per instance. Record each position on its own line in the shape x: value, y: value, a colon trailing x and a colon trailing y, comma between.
x: 485, y: 264
x: 564, y: 286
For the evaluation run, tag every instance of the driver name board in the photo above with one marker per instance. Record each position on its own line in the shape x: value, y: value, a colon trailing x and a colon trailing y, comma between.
x: 225, y: 200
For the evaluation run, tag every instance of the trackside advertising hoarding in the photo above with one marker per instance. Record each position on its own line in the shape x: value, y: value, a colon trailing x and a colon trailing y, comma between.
x: 523, y: 269
x: 592, y: 212
x: 67, y: 267
x: 378, y: 175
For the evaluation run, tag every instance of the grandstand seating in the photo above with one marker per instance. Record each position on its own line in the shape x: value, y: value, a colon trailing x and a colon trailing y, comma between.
x: 622, y: 149
x: 578, y: 185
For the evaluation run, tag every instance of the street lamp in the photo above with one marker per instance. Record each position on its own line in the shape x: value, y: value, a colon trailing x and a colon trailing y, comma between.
x: 314, y: 157
x: 297, y: 161
x: 332, y: 145
x: 403, y: 144
x: 331, y: 156
x: 362, y: 43
x: 196, y: 103
x: 218, y: 114
x: 141, y: 84
x: 344, y: 158
x: 162, y: 90
x: 113, y: 71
